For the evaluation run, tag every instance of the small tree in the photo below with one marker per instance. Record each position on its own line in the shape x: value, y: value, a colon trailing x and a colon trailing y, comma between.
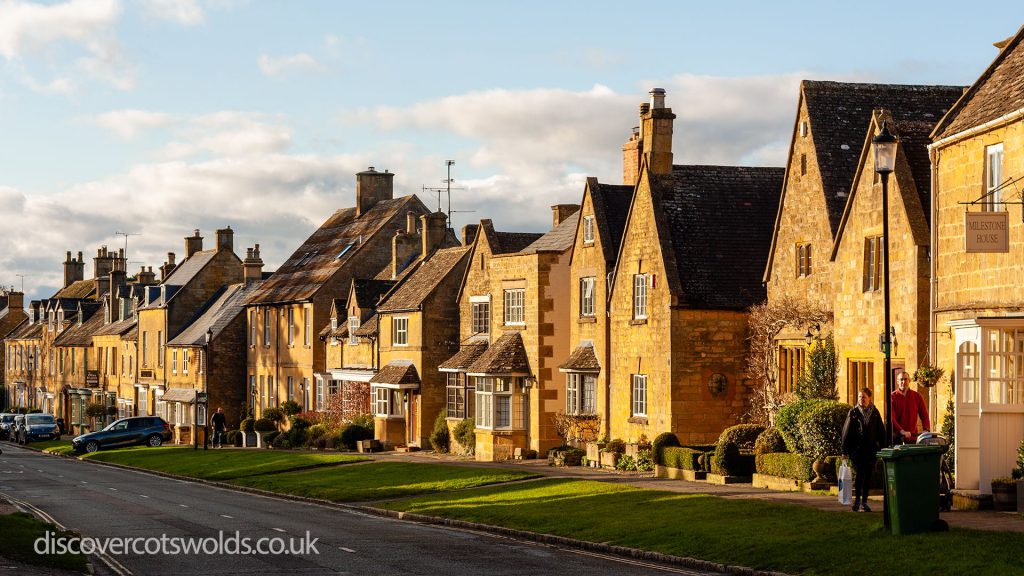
x: 576, y: 428
x: 818, y: 382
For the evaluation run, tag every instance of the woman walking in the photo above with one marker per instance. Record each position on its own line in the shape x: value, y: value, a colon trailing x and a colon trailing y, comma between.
x: 863, y: 436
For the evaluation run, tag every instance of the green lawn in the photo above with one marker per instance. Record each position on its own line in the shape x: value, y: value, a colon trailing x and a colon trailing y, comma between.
x: 380, y: 480
x: 223, y: 464
x: 753, y: 533
x: 53, y: 446
x: 20, y: 532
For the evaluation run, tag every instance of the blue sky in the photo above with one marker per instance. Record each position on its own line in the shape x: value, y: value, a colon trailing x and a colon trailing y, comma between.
x: 160, y: 116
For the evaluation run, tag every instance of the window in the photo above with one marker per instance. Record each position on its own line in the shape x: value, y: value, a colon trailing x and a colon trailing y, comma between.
x: 252, y: 328
x: 174, y: 361
x: 263, y: 392
x: 460, y: 396
x: 271, y: 391
x: 803, y: 260
x: 353, y: 325
x: 803, y: 129
x: 400, y: 331
x: 307, y: 316
x: 803, y: 164
x: 791, y: 366
x: 290, y: 389
x: 306, y: 258
x: 1005, y: 366
x: 291, y: 326
x: 993, y: 179
x: 588, y: 229
x: 321, y: 400
x: 967, y: 372
x: 145, y: 353
x: 345, y: 250
x: 873, y: 264
x: 387, y: 403
x: 587, y: 296
x: 639, y: 395
x: 498, y: 403
x: 266, y: 327
x: 73, y: 367
x: 514, y: 300
x: 481, y: 314
x: 160, y: 349
x: 859, y: 374
x: 580, y: 393
x: 184, y: 361
x: 640, y: 296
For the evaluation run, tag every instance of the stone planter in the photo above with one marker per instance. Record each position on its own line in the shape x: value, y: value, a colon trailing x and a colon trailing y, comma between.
x: 249, y: 439
x: 366, y: 446
x: 1004, y: 497
x: 594, y: 453
x: 819, y: 472
x: 610, y: 459
x: 261, y: 439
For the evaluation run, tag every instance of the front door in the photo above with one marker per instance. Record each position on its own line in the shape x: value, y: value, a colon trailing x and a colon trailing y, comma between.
x: 412, y: 433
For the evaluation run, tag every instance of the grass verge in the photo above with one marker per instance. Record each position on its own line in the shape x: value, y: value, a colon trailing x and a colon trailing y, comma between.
x: 20, y: 532
x: 380, y: 480
x: 53, y: 446
x: 754, y: 533
x: 220, y: 465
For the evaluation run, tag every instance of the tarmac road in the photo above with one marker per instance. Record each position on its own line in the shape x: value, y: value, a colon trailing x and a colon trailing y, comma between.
x: 104, y: 502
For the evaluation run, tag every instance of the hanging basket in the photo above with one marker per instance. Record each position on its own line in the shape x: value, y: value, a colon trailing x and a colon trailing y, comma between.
x: 928, y: 376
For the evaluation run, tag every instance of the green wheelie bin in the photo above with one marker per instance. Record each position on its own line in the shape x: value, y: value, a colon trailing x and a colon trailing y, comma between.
x: 912, y: 487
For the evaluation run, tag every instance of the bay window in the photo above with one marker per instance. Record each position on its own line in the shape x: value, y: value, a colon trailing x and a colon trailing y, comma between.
x: 387, y: 403
x: 499, y: 403
x: 580, y: 393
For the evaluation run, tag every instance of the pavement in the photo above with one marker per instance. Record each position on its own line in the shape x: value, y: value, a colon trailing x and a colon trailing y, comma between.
x: 106, y: 502
x: 978, y: 520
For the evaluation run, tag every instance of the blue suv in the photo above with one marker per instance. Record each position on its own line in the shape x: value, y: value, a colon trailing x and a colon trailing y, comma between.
x: 150, y: 431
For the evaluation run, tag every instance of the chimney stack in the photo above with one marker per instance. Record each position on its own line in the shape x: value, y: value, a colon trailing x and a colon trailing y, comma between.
x: 193, y: 244
x: 104, y: 263
x: 469, y: 233
x: 252, y: 266
x: 656, y: 134
x: 15, y: 300
x: 146, y: 277
x: 118, y: 280
x: 74, y: 269
x: 168, y: 267
x: 371, y: 188
x: 410, y: 222
x: 559, y: 212
x: 435, y: 229
x: 226, y: 239
x: 404, y: 247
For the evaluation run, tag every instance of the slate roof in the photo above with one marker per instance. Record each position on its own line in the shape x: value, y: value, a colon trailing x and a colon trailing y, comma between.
x: 80, y: 335
x: 132, y: 333
x: 220, y: 312
x: 119, y: 328
x: 582, y: 359
x: 26, y: 331
x: 611, y: 208
x: 463, y: 358
x: 79, y: 289
x: 397, y: 373
x: 368, y: 292
x: 998, y: 92
x: 506, y: 356
x: 506, y: 242
x: 320, y: 256
x: 421, y: 283
x: 369, y: 328
x: 715, y: 227
x: 839, y: 112
x: 558, y: 239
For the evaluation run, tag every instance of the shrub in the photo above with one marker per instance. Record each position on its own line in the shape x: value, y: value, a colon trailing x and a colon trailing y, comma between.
x: 364, y: 420
x: 282, y: 441
x: 272, y: 436
x: 1018, y: 471
x: 353, y: 432
x: 821, y: 428
x: 440, y: 438
x: 662, y: 441
x: 818, y: 382
x: 743, y: 435
x: 314, y: 433
x: 785, y: 465
x: 615, y: 446
x: 948, y: 430
x: 299, y: 422
x: 728, y: 460
x: 236, y: 440
x: 787, y: 423
x: 645, y: 460
x: 274, y: 414
x: 291, y: 408
x: 247, y: 425
x: 573, y: 456
x: 465, y: 435
x: 769, y: 441
x: 681, y: 457
x: 264, y: 425
x: 95, y: 410
x: 627, y: 462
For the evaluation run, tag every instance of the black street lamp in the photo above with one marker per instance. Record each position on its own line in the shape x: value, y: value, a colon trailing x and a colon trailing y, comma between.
x: 885, y: 161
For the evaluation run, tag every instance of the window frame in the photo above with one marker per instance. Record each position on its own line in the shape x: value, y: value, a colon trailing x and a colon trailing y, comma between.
x: 515, y: 306
x: 588, y: 304
x: 638, y: 395
x: 640, y: 296
x: 400, y: 326
x: 353, y: 325
x: 804, y: 264
x: 480, y: 314
x: 993, y: 179
x: 588, y: 230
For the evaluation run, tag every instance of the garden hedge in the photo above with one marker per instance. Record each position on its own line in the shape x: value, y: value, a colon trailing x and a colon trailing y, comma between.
x: 743, y: 435
x: 785, y: 465
x: 680, y: 457
x: 664, y: 440
x: 769, y: 441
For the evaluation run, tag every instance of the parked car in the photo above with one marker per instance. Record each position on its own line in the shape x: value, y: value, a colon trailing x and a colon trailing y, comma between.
x: 146, y: 430
x: 38, y: 427
x: 6, y: 422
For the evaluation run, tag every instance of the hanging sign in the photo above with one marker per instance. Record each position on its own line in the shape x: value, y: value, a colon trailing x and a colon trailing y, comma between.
x: 986, y: 232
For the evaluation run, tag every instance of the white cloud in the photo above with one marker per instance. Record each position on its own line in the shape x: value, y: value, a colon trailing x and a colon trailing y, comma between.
x: 29, y: 26
x: 187, y: 12
x: 283, y: 65
x: 129, y: 123
x: 228, y: 134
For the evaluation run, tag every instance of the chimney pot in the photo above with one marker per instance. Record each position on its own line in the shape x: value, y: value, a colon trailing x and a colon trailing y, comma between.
x: 252, y: 266
x: 645, y: 107
x: 657, y: 98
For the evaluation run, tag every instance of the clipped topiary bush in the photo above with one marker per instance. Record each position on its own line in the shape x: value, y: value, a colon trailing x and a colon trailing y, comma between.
x: 663, y: 440
x: 264, y: 425
x: 785, y: 465
x: 440, y: 439
x: 787, y: 423
x: 465, y: 435
x: 769, y: 441
x: 725, y: 460
x: 744, y: 436
x: 617, y: 446
x: 681, y: 457
x: 821, y: 428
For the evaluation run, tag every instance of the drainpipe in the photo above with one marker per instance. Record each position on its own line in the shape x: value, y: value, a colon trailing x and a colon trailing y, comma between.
x: 933, y: 394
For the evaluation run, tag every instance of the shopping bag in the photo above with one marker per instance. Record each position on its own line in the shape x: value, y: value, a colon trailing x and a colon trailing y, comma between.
x: 845, y: 484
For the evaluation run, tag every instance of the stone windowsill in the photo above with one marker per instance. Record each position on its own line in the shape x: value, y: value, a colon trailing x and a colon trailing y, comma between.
x: 638, y: 322
x: 514, y: 327
x: 638, y: 420
x: 587, y: 320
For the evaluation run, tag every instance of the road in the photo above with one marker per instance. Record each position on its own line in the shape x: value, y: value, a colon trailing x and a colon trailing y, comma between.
x: 104, y: 502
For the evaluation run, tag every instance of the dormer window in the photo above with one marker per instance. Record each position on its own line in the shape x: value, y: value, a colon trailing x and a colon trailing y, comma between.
x: 106, y: 314
x: 353, y: 325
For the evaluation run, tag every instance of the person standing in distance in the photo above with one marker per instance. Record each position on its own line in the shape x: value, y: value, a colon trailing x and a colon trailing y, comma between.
x: 907, y: 406
x: 863, y: 435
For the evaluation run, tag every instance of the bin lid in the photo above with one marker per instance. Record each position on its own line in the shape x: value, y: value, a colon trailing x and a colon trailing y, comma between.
x: 907, y: 450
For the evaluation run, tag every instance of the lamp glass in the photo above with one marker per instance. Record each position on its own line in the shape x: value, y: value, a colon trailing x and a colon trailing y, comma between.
x: 885, y: 151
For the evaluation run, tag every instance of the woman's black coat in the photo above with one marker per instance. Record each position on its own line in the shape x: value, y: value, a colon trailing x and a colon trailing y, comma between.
x: 863, y: 439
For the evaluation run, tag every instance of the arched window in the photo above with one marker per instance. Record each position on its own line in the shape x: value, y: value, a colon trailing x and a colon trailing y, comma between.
x: 967, y: 372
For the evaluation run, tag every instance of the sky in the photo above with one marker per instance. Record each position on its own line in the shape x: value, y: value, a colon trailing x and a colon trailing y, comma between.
x: 157, y: 117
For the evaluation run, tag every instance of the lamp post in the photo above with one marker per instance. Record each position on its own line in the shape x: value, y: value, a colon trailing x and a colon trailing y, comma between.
x: 885, y: 160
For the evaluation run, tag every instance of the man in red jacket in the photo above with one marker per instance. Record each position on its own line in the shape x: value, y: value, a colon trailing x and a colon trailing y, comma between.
x: 907, y: 406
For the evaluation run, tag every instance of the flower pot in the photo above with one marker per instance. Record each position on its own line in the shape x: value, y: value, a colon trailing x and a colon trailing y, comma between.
x: 1004, y: 497
x: 610, y: 459
x: 594, y: 452
x: 818, y: 466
